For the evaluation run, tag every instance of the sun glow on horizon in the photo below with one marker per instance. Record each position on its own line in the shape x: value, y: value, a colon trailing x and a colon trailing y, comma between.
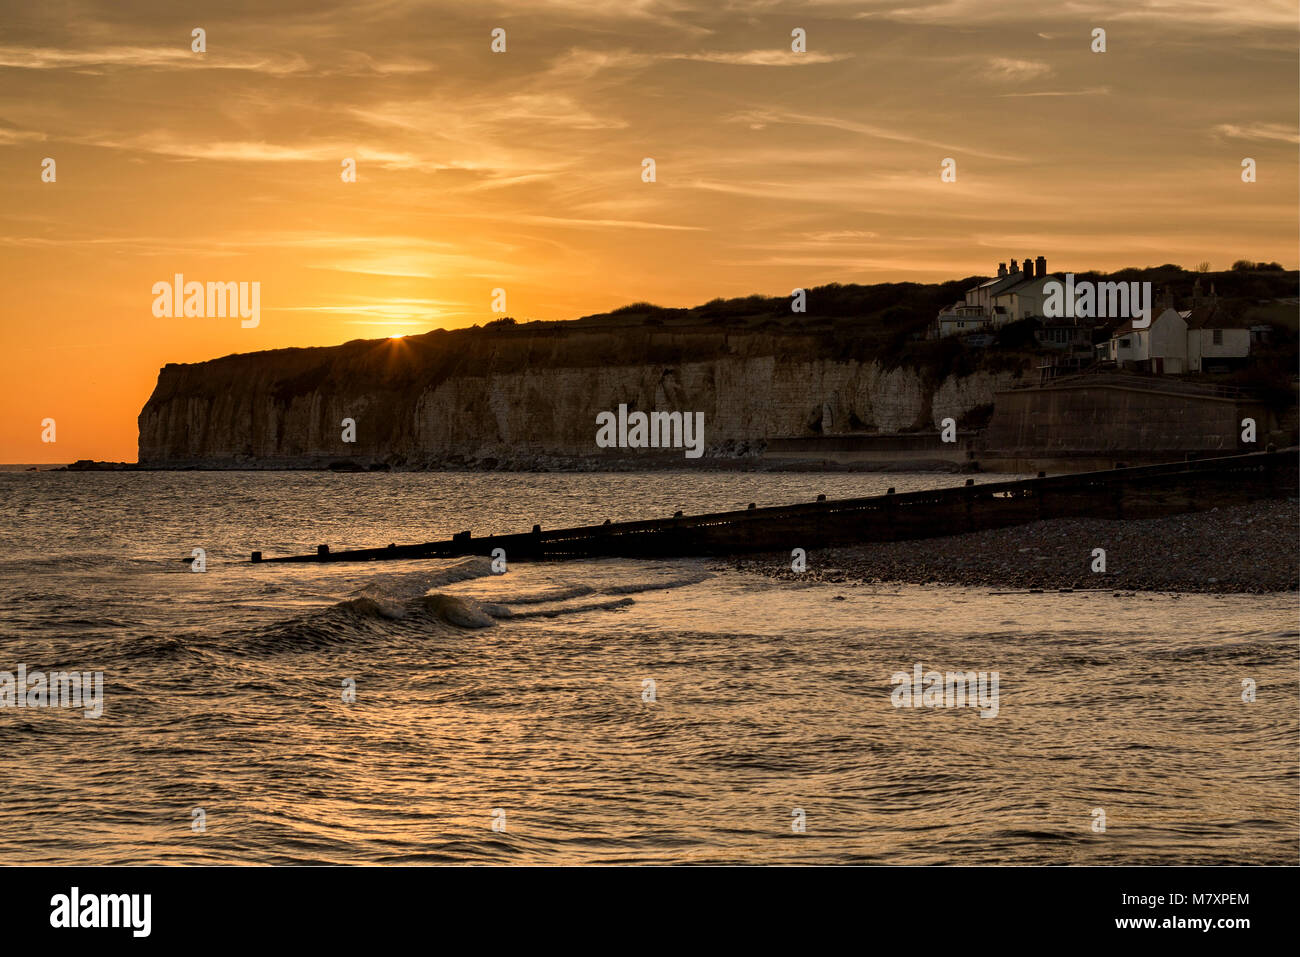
x: 526, y: 174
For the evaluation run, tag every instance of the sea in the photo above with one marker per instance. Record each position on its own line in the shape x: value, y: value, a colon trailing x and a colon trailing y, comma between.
x: 600, y: 711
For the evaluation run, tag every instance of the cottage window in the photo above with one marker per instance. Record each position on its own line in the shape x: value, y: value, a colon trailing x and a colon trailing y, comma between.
x: 1123, y: 343
x: 1218, y: 337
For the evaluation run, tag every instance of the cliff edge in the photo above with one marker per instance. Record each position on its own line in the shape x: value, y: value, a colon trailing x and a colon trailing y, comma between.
x: 525, y: 396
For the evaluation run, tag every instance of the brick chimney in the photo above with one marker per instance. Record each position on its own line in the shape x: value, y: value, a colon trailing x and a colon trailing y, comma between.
x: 1040, y: 267
x: 1002, y: 270
x: 1015, y: 267
x: 1029, y: 269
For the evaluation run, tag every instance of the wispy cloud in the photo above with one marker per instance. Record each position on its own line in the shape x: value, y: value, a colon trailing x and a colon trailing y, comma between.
x: 390, y: 311
x: 1091, y: 91
x: 764, y: 117
x: 760, y: 57
x: 127, y: 57
x: 1006, y: 69
x: 600, y: 223
x: 1225, y: 13
x: 11, y: 135
x: 1279, y: 132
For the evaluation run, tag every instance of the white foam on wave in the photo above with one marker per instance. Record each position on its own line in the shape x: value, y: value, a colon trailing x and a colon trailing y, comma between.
x: 461, y: 612
x: 366, y: 606
x: 557, y: 610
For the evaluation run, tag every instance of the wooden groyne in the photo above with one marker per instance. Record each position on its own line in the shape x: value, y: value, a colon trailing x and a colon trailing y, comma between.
x: 1143, y: 492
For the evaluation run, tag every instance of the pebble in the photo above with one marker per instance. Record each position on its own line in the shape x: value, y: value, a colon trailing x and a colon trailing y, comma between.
x: 1244, y: 548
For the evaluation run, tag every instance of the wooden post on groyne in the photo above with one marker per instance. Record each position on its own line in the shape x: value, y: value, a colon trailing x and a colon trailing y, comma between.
x: 1146, y: 491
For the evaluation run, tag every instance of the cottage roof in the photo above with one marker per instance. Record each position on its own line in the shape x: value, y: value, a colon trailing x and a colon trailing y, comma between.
x: 1212, y: 317
x: 1000, y: 284
x: 1015, y: 286
x: 1024, y: 284
x: 1156, y: 315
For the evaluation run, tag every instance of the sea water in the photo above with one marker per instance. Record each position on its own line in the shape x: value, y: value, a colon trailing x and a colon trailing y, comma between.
x: 603, y: 710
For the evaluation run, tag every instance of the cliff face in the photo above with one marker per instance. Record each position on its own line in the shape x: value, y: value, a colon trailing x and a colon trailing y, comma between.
x: 521, y: 397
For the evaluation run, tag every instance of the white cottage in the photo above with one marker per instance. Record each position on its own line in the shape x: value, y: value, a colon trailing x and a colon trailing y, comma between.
x: 1179, y: 342
x: 1160, y: 347
x: 1014, y: 294
x: 1215, y: 340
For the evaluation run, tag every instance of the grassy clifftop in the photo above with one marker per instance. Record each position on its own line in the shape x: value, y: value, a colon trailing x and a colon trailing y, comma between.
x: 884, y: 322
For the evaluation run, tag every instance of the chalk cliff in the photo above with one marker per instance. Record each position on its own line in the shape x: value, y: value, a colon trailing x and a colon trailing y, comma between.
x: 524, y: 396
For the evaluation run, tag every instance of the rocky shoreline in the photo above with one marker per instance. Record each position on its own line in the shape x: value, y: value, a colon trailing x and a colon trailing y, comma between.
x: 537, y: 463
x: 1251, y: 548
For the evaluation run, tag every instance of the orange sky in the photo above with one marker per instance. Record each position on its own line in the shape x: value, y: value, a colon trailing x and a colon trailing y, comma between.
x: 522, y: 170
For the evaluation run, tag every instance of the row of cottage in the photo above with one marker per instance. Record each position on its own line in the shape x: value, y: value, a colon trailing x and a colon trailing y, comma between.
x: 1201, y: 339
